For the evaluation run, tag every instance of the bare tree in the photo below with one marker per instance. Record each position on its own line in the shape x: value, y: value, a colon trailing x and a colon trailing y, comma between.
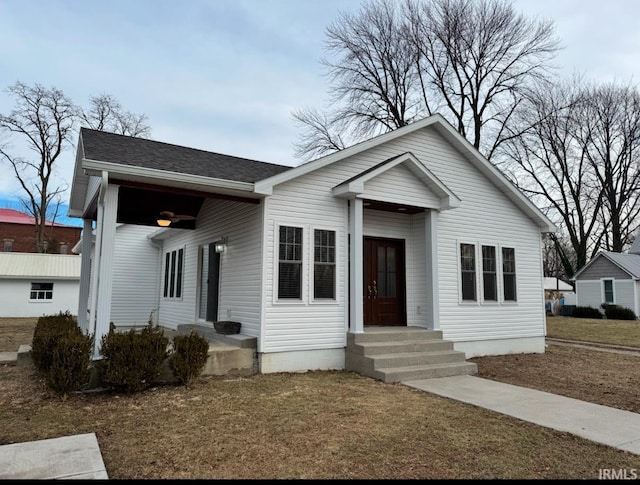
x: 375, y: 87
x: 550, y: 164
x: 610, y: 133
x: 43, y: 119
x: 106, y: 113
x: 473, y: 61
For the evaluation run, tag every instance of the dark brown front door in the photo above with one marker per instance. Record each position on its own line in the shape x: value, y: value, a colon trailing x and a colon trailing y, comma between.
x: 384, y: 282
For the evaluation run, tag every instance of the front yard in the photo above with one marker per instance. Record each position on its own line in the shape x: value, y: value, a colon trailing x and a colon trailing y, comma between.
x: 328, y: 424
x: 618, y: 332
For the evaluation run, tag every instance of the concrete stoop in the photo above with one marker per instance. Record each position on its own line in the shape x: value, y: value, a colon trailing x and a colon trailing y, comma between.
x: 228, y: 354
x: 396, y: 354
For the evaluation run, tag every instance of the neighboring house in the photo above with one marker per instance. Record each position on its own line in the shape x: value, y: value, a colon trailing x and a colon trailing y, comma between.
x: 36, y: 284
x: 610, y: 278
x: 411, y: 228
x: 17, y: 234
x: 557, y: 292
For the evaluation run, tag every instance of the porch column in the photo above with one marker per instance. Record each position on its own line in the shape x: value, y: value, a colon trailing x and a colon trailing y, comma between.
x: 104, y: 271
x: 355, y: 267
x: 85, y: 276
x: 431, y: 248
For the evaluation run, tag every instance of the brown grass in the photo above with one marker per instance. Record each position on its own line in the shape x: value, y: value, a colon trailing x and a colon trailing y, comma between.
x: 322, y: 424
x: 15, y: 332
x: 617, y: 332
x: 311, y: 425
x: 603, y: 378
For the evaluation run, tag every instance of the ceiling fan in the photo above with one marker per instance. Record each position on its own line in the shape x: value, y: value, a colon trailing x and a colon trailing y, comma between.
x: 167, y: 217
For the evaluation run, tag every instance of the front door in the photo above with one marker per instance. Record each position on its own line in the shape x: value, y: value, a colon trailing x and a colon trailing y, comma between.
x: 384, y: 282
x: 209, y: 283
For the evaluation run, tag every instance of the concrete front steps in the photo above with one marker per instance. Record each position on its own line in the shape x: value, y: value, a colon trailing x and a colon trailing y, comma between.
x: 396, y: 354
x: 228, y: 354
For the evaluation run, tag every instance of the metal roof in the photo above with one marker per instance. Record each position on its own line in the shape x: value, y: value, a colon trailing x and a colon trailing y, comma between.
x: 551, y: 283
x: 39, y: 266
x: 628, y: 262
x: 13, y: 216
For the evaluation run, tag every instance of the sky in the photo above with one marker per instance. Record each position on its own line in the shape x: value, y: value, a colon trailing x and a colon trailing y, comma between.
x: 226, y: 75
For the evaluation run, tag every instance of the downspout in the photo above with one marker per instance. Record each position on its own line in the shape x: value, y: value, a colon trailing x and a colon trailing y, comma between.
x: 97, y: 253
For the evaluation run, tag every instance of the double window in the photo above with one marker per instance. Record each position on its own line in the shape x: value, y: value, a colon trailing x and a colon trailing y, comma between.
x: 173, y: 269
x: 291, y: 263
x: 490, y: 274
x: 41, y: 291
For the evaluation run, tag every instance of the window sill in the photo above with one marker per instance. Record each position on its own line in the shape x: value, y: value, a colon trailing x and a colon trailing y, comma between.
x: 41, y: 301
x: 292, y: 302
x: 328, y: 301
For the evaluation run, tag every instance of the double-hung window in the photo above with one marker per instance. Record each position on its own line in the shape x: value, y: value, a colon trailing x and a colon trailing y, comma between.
x: 509, y: 274
x: 290, y: 263
x: 173, y: 269
x: 468, y: 270
x: 324, y: 269
x: 489, y: 275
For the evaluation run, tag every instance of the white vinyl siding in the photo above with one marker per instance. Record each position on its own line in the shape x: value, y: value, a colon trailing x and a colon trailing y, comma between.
x: 240, y: 269
x: 624, y: 293
x: 136, y: 277
x: 589, y: 293
x: 485, y: 213
x: 385, y: 187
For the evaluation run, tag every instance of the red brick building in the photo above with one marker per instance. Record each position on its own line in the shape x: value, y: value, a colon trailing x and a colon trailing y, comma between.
x: 17, y: 234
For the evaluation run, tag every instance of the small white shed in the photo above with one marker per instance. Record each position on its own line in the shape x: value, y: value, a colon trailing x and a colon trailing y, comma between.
x: 35, y: 284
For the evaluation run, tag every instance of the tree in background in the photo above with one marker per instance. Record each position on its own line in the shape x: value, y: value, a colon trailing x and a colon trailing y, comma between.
x: 42, y: 122
x: 105, y: 113
x: 472, y: 61
x: 43, y: 119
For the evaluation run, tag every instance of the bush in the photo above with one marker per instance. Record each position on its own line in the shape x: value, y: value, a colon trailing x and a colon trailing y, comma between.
x: 190, y: 353
x: 616, y: 312
x: 132, y: 360
x: 48, y: 330
x: 586, y: 312
x: 70, y: 361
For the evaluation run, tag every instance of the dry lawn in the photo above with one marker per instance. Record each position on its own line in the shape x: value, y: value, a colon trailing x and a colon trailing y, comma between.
x: 16, y: 331
x: 604, y: 378
x: 312, y: 425
x: 324, y: 424
x: 618, y: 332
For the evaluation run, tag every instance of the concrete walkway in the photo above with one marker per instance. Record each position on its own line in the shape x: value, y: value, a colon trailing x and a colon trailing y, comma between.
x: 69, y: 457
x: 8, y: 357
x: 602, y: 424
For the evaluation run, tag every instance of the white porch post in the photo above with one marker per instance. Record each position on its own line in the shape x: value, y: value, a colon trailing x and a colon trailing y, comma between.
x: 355, y: 266
x: 104, y: 271
x: 85, y: 276
x: 431, y: 248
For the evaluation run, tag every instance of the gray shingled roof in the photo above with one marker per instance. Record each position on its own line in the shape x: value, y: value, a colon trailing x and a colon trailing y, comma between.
x: 139, y: 152
x: 628, y: 262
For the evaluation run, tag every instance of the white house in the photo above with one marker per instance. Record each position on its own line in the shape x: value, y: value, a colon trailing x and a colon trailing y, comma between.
x: 610, y: 278
x: 35, y: 284
x: 412, y: 229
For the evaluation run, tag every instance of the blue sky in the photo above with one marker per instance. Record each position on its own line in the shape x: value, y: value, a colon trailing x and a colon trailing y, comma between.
x: 225, y: 75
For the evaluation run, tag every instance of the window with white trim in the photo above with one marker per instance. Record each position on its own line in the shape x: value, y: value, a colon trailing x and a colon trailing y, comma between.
x: 509, y: 274
x: 173, y: 269
x: 468, y: 271
x: 607, y: 289
x: 324, y: 268
x: 290, y: 263
x: 41, y: 291
x: 489, y: 274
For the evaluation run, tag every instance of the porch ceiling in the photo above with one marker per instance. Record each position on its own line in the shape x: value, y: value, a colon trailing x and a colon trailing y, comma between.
x: 141, y: 204
x: 390, y: 207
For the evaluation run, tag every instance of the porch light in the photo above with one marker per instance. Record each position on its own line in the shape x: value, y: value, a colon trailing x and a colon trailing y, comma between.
x: 163, y: 222
x: 221, y: 245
